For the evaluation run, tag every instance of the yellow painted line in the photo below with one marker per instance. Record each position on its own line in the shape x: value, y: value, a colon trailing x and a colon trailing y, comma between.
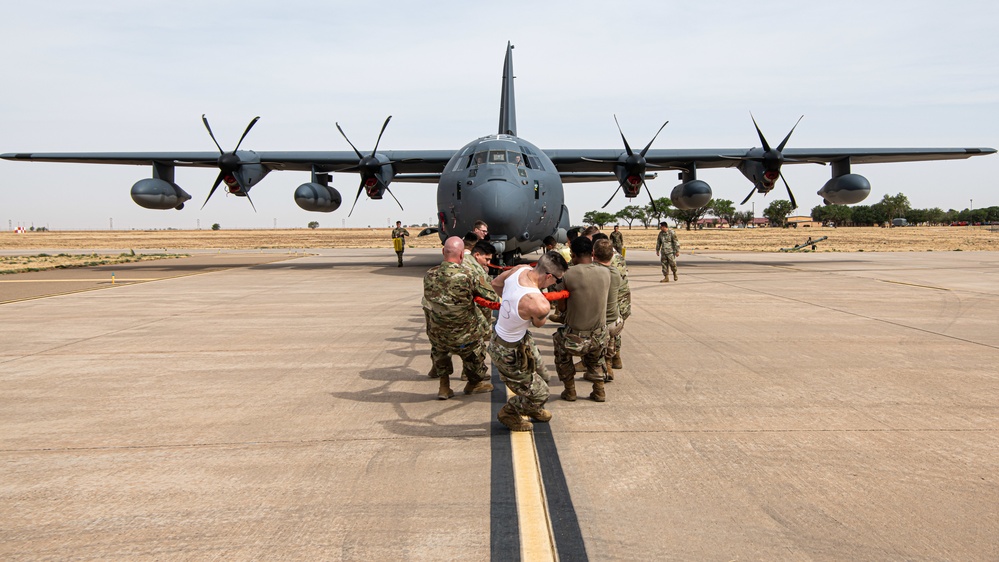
x: 537, y: 541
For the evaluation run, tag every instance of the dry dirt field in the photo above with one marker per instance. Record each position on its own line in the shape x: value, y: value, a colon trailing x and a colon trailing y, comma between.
x: 874, y: 239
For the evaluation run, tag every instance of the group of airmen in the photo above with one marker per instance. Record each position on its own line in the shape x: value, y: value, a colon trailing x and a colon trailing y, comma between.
x: 592, y: 315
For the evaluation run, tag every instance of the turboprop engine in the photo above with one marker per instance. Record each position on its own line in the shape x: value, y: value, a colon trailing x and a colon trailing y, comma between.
x: 154, y: 193
x: 317, y: 197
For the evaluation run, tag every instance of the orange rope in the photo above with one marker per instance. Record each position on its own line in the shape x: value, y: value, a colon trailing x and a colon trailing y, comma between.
x: 553, y: 296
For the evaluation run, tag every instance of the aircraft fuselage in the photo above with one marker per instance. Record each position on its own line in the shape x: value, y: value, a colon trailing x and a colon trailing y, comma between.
x: 511, y: 185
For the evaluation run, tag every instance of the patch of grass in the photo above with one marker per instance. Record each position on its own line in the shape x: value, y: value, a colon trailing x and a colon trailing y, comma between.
x: 42, y: 262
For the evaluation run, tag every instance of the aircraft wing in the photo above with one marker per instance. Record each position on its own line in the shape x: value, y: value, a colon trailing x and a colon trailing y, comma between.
x: 415, y: 162
x: 579, y: 163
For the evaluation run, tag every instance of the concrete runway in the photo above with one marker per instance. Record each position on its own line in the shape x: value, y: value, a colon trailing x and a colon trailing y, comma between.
x: 826, y: 406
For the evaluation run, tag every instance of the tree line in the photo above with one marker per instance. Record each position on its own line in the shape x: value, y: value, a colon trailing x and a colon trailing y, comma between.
x: 890, y: 207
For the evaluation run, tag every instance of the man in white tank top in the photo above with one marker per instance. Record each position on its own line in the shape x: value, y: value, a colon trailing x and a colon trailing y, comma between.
x: 512, y: 347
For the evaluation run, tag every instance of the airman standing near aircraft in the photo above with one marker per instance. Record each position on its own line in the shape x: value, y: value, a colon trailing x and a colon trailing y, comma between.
x: 512, y: 347
x: 454, y: 328
x: 585, y: 331
x: 399, y: 240
x: 667, y: 248
x: 617, y: 240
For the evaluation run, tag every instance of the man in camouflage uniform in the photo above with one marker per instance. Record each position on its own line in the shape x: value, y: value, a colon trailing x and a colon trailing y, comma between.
x: 618, y: 306
x: 454, y: 328
x: 399, y: 233
x: 585, y: 331
x: 512, y: 347
x: 617, y: 240
x: 476, y: 262
x: 667, y: 248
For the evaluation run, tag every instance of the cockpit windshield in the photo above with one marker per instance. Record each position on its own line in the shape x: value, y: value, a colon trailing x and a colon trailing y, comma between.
x: 499, y: 157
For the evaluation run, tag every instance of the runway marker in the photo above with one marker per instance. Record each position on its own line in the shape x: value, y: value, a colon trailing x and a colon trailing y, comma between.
x: 537, y: 541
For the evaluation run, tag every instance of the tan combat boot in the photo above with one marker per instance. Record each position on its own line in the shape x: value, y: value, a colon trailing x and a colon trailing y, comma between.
x: 608, y: 371
x: 541, y: 415
x: 665, y: 280
x: 569, y: 394
x: 598, y: 394
x: 674, y: 277
x: 510, y: 418
x: 445, y: 392
x: 478, y: 388
x: 616, y: 363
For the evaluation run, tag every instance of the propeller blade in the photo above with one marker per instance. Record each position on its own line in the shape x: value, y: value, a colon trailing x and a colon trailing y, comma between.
x: 248, y: 127
x: 377, y: 142
x: 794, y: 204
x: 250, y: 200
x: 766, y: 145
x: 626, y: 146
x: 612, y: 196
x: 784, y: 142
x: 210, y: 133
x: 751, y: 192
x: 360, y: 188
x: 218, y: 180
x: 651, y: 200
x: 393, y: 197
x: 357, y: 152
x: 648, y: 146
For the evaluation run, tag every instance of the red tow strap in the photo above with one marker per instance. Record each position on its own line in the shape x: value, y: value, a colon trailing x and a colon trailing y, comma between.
x: 554, y: 296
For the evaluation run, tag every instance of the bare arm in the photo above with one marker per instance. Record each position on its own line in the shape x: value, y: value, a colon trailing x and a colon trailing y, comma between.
x: 534, y: 306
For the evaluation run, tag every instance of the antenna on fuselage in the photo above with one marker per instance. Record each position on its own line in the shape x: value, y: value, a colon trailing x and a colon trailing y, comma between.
x: 508, y: 109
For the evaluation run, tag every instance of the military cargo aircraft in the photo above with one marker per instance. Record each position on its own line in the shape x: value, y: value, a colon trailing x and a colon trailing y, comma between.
x: 513, y: 185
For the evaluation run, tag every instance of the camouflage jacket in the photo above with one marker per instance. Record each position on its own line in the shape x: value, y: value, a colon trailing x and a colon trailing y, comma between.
x: 449, y: 289
x: 623, y: 291
x: 624, y: 296
x: 486, y: 288
x: 617, y: 240
x: 667, y: 241
x: 400, y: 233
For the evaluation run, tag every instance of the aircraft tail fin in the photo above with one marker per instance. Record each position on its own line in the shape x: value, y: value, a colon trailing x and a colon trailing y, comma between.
x: 508, y: 109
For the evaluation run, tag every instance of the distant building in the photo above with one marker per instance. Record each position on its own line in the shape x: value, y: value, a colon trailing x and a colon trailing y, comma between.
x: 802, y: 221
x: 712, y: 222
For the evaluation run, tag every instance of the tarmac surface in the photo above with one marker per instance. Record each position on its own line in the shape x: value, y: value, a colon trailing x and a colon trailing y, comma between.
x: 817, y: 406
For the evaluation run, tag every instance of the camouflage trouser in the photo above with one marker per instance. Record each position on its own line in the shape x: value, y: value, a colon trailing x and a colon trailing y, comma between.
x: 433, y: 348
x: 588, y: 345
x: 400, y: 256
x: 613, y: 339
x: 473, y: 358
x: 669, y: 263
x: 517, y: 368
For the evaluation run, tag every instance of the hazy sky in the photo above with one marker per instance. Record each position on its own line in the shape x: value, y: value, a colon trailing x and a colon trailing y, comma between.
x: 136, y: 76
